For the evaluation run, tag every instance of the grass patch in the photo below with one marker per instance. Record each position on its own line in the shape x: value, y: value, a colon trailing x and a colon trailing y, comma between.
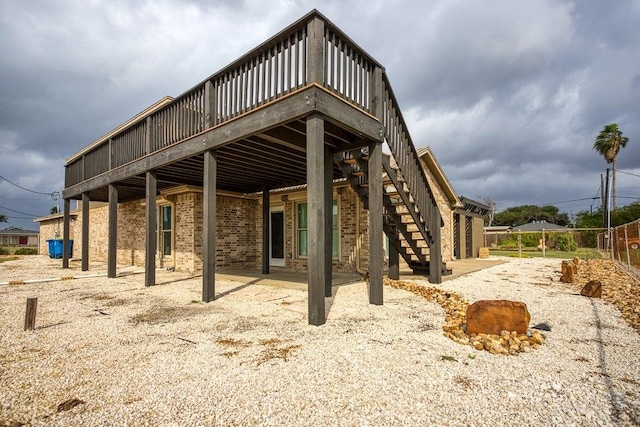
x: 26, y: 251
x: 583, y: 253
x: 8, y: 258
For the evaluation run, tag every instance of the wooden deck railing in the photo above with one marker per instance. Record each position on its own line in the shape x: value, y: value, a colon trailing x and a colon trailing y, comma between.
x: 269, y: 72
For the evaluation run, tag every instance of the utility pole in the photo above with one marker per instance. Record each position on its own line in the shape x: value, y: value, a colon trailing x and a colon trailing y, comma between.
x: 607, y: 217
x: 602, y: 197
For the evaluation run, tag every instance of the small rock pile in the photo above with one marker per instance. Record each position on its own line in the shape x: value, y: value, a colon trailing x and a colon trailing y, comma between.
x: 455, y: 308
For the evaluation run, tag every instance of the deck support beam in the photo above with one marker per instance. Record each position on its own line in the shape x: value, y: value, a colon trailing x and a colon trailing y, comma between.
x: 65, y: 233
x: 151, y: 238
x: 209, y: 227
x: 317, y: 219
x: 435, y: 249
x: 85, y: 232
x: 266, y: 227
x: 376, y: 253
x: 394, y: 263
x: 112, y: 241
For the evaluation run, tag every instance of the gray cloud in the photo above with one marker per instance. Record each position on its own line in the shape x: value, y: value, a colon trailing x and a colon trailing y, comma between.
x: 509, y: 95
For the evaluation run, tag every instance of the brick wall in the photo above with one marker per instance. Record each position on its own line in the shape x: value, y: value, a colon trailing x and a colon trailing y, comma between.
x: 446, y: 232
x: 239, y: 232
x: 238, y: 243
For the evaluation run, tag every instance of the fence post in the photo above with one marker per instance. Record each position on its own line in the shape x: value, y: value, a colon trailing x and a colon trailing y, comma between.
x: 626, y: 247
x: 544, y: 248
x: 519, y: 245
x: 30, y: 315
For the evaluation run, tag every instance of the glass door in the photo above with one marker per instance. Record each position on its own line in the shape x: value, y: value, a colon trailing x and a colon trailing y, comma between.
x: 276, y: 256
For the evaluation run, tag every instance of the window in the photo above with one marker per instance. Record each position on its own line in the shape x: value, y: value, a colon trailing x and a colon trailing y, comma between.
x: 165, y: 237
x: 302, y: 232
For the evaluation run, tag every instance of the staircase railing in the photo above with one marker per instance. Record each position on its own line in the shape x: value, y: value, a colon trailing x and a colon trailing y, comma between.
x: 408, y: 161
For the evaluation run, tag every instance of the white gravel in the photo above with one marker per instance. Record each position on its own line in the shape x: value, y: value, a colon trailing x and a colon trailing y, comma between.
x: 157, y: 356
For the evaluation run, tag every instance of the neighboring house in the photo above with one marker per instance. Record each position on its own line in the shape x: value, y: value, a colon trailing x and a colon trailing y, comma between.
x: 539, y: 226
x: 276, y: 160
x: 18, y: 236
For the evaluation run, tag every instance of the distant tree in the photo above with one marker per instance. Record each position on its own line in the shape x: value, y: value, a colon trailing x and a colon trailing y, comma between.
x: 3, y: 218
x: 623, y: 215
x: 54, y: 210
x: 524, y: 214
x: 608, y: 144
x: 493, y: 205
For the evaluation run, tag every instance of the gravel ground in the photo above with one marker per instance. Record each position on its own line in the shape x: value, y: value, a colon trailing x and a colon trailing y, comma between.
x: 112, y: 352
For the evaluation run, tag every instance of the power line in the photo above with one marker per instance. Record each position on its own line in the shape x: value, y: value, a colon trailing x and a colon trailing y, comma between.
x: 574, y: 200
x: 627, y: 173
x: 30, y: 191
x: 21, y: 213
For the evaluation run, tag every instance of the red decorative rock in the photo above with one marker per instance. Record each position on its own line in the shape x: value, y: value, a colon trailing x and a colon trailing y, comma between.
x: 593, y: 289
x: 495, y: 316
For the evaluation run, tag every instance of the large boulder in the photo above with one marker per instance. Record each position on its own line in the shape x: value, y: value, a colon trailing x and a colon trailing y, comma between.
x: 494, y: 316
x: 593, y: 289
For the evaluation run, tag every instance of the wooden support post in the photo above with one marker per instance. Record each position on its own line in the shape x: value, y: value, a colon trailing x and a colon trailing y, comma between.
x: 209, y: 227
x: 112, y: 241
x: 376, y: 253
x: 394, y: 263
x: 315, y: 56
x: 316, y: 221
x: 85, y: 232
x: 151, y: 237
x: 266, y: 235
x: 435, y: 251
x: 65, y: 233
x: 30, y: 315
x: 328, y: 224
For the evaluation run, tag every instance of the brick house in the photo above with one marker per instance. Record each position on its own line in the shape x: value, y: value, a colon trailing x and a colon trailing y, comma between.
x: 277, y: 159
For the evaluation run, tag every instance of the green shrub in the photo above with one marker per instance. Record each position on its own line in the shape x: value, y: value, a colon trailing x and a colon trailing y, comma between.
x: 565, y: 242
x: 509, y: 243
x: 4, y: 251
x: 531, y: 240
x: 27, y: 251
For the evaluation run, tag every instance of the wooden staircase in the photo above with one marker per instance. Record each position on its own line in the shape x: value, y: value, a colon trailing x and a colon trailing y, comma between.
x: 406, y: 226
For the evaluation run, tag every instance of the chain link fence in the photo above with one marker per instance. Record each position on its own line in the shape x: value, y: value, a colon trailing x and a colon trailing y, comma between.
x: 623, y: 245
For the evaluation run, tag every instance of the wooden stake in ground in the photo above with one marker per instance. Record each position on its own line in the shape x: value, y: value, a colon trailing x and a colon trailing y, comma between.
x: 30, y: 315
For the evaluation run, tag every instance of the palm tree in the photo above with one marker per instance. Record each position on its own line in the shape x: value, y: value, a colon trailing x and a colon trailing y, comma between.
x: 608, y: 143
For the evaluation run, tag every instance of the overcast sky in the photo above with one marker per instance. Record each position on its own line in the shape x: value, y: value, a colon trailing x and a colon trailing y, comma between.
x: 510, y: 95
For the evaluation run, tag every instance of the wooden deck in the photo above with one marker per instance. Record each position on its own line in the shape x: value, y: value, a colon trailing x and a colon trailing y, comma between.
x: 276, y: 117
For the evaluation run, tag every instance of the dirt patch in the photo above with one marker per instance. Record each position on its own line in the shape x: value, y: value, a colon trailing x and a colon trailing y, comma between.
x: 164, y: 314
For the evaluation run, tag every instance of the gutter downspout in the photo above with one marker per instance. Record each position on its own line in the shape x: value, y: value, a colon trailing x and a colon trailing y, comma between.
x: 358, y: 243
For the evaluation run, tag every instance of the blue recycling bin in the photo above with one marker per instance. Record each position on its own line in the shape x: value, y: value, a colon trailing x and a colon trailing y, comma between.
x: 55, y: 248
